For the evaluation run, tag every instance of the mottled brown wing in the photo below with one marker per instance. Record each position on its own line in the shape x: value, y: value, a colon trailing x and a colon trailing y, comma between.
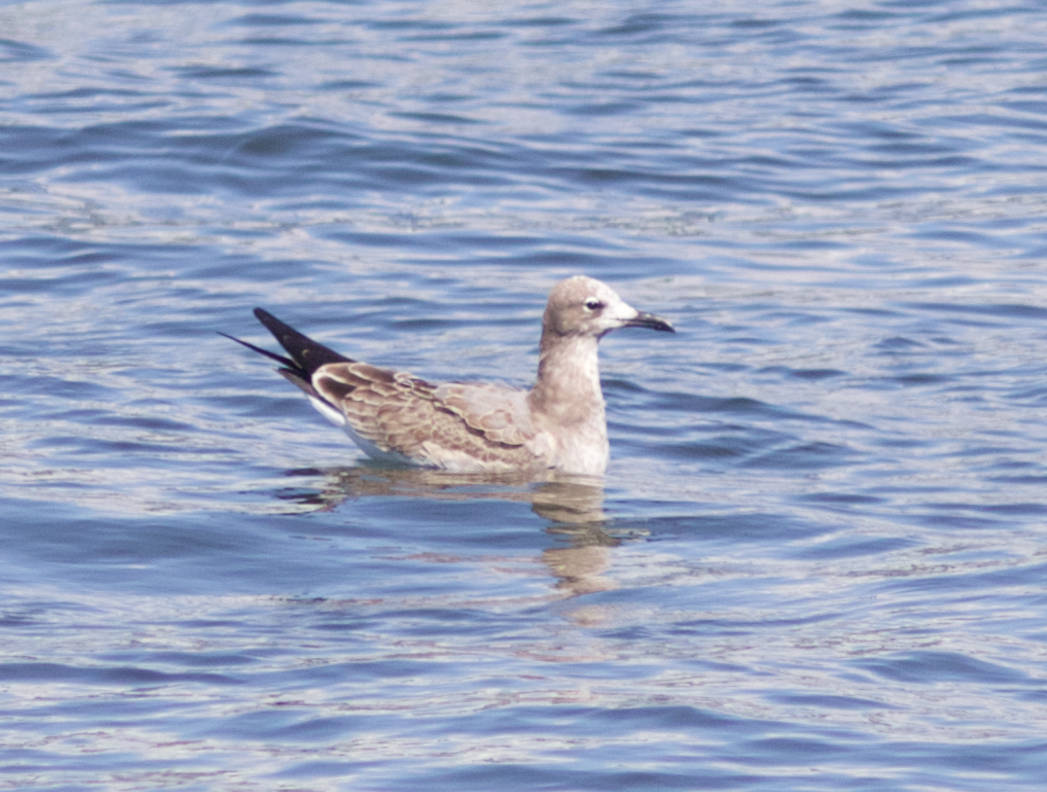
x: 501, y: 414
x: 407, y: 415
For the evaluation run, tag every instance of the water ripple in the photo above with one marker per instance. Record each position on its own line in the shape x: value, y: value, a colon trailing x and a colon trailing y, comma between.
x: 816, y: 561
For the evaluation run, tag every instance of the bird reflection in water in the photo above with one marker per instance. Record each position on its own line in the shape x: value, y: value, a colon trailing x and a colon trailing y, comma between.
x: 572, y: 505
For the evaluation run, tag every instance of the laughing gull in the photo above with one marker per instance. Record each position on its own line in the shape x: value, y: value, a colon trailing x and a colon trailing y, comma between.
x: 476, y: 427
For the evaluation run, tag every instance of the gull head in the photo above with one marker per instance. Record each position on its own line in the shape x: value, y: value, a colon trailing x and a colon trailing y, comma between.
x: 582, y: 306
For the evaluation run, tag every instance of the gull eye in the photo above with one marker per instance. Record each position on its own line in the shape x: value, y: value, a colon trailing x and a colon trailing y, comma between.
x: 592, y: 304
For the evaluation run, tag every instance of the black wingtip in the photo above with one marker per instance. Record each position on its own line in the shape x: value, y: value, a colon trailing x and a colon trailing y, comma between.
x: 308, y: 355
x: 271, y: 355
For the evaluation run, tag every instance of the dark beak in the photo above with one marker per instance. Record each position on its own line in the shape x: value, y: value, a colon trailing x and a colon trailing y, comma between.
x: 651, y: 322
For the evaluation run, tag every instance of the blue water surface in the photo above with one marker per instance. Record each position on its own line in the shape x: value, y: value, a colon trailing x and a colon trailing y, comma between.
x: 818, y: 559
